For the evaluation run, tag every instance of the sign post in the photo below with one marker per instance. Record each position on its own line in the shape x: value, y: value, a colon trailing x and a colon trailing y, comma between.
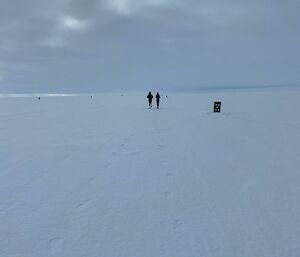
x: 217, y: 107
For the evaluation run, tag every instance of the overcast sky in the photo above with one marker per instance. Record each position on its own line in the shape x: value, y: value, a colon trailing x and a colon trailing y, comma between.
x: 102, y: 45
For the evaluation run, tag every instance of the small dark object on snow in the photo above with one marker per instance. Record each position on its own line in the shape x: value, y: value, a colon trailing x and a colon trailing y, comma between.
x: 166, y: 96
x: 217, y: 107
x: 39, y: 98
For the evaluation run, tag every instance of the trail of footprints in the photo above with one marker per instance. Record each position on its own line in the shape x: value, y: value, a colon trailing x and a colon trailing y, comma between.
x: 177, y: 224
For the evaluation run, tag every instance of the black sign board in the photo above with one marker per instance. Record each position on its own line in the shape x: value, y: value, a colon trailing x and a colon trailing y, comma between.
x: 217, y: 107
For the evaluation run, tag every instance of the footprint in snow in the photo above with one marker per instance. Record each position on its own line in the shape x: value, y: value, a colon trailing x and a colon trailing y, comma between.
x: 167, y: 193
x: 177, y: 224
x: 108, y: 164
x: 83, y: 204
x: 91, y: 180
x: 55, y: 245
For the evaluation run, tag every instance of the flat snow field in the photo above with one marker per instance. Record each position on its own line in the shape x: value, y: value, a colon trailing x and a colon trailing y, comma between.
x: 107, y: 177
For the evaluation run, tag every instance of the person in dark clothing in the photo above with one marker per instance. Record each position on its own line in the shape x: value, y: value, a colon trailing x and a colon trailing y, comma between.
x: 150, y: 97
x: 157, y: 99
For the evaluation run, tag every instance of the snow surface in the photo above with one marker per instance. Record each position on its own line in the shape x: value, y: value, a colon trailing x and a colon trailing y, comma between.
x: 107, y: 177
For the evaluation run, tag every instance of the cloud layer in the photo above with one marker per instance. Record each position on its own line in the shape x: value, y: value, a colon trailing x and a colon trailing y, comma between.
x: 103, y: 45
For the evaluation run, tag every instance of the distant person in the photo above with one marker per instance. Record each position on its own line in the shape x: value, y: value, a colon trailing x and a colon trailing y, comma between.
x: 150, y: 97
x: 157, y: 99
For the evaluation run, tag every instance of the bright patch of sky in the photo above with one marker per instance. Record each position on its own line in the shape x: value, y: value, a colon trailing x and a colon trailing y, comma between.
x: 127, y: 7
x: 73, y: 24
x: 66, y: 24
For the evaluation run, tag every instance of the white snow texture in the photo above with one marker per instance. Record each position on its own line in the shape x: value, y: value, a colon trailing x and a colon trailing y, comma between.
x: 105, y: 176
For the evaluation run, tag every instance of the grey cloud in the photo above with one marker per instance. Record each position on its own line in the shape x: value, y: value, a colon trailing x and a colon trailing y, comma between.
x: 93, y: 45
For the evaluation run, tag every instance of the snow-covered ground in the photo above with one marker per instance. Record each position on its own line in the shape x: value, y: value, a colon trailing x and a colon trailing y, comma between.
x: 107, y: 177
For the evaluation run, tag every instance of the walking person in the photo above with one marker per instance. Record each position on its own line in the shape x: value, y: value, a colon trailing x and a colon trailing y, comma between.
x: 157, y: 99
x: 150, y: 97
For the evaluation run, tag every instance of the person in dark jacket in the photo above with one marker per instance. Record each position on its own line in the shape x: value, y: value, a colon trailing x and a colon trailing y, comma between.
x: 150, y: 97
x: 157, y: 99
